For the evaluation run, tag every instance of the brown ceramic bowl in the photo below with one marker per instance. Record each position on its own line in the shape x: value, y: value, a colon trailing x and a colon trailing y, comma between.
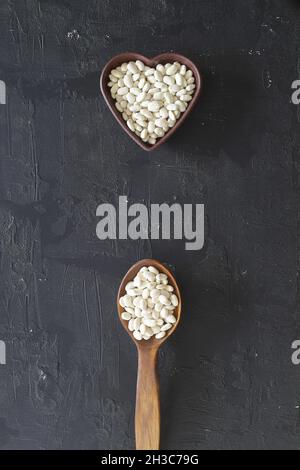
x: 168, y: 57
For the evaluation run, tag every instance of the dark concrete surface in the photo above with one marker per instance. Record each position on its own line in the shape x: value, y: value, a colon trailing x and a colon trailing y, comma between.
x: 227, y: 381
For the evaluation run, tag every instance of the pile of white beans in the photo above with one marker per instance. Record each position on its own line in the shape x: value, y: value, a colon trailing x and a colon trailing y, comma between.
x: 149, y: 304
x: 151, y: 100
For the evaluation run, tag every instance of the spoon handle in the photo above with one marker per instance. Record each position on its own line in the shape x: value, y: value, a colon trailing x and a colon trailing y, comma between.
x: 147, y: 412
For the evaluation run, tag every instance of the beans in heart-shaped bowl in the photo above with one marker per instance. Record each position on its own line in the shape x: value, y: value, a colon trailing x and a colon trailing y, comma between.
x: 150, y: 98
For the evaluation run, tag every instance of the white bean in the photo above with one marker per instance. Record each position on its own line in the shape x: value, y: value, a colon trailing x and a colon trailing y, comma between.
x: 147, y: 114
x: 164, y: 313
x: 172, y: 116
x: 186, y: 98
x: 183, y: 70
x: 164, y: 300
x: 145, y: 294
x: 190, y: 87
x: 168, y: 97
x: 179, y: 79
x: 163, y: 112
x: 175, y: 88
x: 147, y: 313
x: 161, y: 122
x: 116, y: 73
x: 136, y: 301
x: 171, y: 107
x: 168, y: 81
x: 158, y: 76
x: 151, y: 127
x: 123, y: 91
x: 128, y: 81
x: 130, y: 98
x: 166, y: 327
x: 141, y: 83
x: 137, y: 335
x: 155, y: 315
x: 171, y: 319
x: 140, y: 65
x: 170, y: 307
x: 138, y: 312
x: 160, y: 68
x: 127, y: 301
x: 180, y: 105
x: 114, y: 89
x: 154, y: 106
x: 156, y: 329
x: 143, y: 328
x: 132, y: 68
x: 151, y: 99
x: 151, y: 276
x: 159, y: 132
x: 131, y: 325
x: 143, y: 304
x: 160, y: 335
x: 158, y: 96
x: 146, y: 337
x: 149, y: 322
x: 171, y: 70
x: 130, y: 310
x: 126, y: 316
x: 141, y: 97
x: 154, y: 293
x: 160, y: 287
x: 135, y: 91
x: 131, y: 125
x: 144, y: 134
x: 131, y: 292
x: 137, y: 282
x: 146, y: 87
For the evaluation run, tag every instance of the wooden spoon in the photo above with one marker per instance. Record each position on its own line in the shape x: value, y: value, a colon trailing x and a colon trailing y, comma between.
x: 147, y: 413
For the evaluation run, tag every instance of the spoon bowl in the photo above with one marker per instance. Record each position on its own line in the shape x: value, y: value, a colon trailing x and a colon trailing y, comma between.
x: 152, y: 342
x: 147, y: 413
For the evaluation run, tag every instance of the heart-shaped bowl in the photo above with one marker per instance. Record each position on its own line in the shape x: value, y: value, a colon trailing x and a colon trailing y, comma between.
x: 168, y: 57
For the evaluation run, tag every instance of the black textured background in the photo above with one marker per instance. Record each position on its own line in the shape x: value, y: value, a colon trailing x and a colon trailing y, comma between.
x: 227, y: 381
